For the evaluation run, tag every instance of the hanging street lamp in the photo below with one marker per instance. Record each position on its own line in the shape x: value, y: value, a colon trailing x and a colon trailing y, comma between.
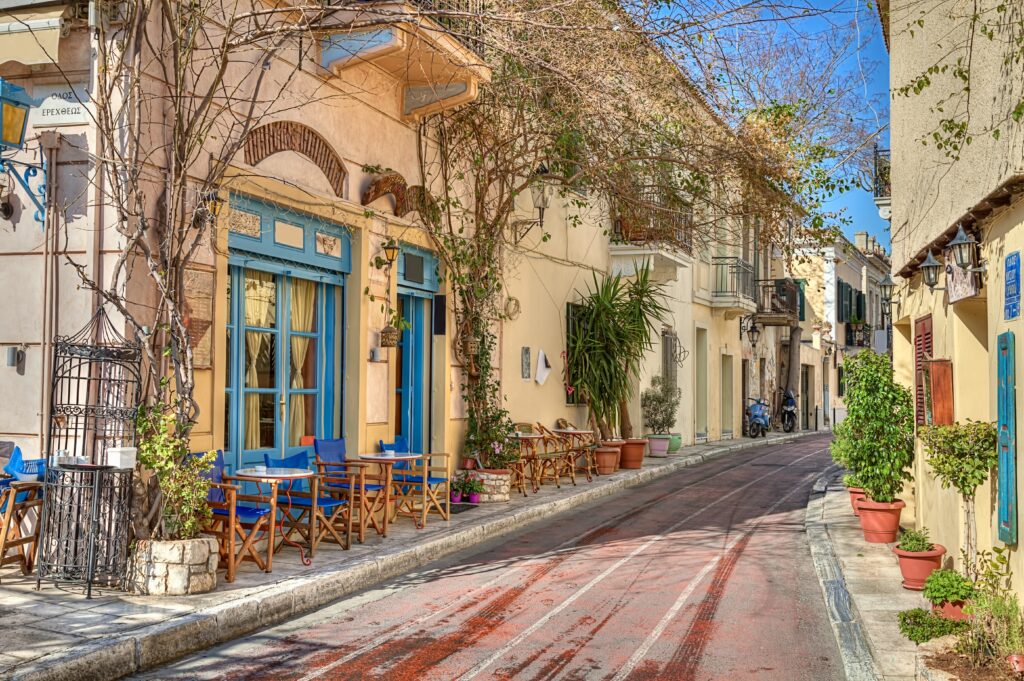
x: 14, y: 109
x: 930, y: 272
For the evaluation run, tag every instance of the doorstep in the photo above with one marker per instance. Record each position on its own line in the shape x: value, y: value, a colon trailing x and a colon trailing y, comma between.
x: 862, y: 586
x: 57, y: 634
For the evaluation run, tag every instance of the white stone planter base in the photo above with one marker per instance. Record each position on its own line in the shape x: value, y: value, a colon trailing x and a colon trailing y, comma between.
x: 496, y: 486
x: 174, y: 568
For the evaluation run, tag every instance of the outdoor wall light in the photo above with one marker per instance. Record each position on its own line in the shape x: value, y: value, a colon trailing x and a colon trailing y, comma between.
x: 539, y: 191
x: 930, y: 269
x: 749, y: 324
x: 963, y: 247
x: 391, y: 252
x: 14, y: 106
x: 887, y: 287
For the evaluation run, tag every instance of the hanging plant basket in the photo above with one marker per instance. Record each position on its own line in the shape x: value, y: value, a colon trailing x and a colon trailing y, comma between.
x: 472, y: 347
x: 389, y: 337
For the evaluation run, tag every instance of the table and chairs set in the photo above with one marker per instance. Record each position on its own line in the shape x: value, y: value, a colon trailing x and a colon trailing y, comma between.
x: 308, y: 498
x: 550, y: 454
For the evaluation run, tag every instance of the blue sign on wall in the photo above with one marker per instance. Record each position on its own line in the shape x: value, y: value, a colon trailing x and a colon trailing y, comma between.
x: 1011, y: 305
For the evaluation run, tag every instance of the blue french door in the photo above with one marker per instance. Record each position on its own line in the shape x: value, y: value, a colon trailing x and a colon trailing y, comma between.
x: 282, y: 362
x: 413, y: 366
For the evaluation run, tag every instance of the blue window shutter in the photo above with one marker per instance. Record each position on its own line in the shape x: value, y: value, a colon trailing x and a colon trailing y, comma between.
x: 1007, y: 401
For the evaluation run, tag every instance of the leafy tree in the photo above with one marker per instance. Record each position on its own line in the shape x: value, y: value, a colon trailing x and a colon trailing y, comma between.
x: 876, y: 439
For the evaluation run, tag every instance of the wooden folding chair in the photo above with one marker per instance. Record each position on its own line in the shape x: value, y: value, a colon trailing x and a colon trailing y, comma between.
x: 308, y: 513
x: 339, y: 477
x: 238, y: 527
x: 17, y: 500
x: 423, y: 488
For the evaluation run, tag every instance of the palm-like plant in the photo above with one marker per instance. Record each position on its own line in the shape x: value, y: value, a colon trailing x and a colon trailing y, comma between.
x: 613, y: 327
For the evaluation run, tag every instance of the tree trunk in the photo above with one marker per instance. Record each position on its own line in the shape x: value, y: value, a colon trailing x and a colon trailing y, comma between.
x: 970, y: 539
x: 625, y: 424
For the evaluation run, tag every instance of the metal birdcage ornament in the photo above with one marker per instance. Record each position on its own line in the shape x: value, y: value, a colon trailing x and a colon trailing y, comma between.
x: 96, y: 390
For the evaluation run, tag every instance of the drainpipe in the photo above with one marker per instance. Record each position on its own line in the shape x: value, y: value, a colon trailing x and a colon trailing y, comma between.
x: 50, y: 142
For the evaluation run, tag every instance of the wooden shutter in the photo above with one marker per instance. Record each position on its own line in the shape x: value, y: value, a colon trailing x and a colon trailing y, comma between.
x: 922, y: 353
x: 862, y: 308
x: 940, y: 373
x: 1007, y: 400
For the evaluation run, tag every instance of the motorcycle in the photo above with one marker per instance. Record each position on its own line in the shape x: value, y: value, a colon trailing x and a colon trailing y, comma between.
x: 757, y: 417
x: 788, y: 410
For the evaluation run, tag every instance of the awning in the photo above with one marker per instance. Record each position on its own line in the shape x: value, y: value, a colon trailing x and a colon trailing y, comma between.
x: 31, y: 36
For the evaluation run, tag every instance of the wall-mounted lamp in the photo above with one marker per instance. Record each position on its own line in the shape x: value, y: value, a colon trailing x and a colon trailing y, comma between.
x: 391, y: 252
x: 930, y: 269
x: 963, y: 246
x: 15, y: 356
x: 212, y: 202
x: 14, y: 108
x: 749, y: 325
x: 539, y: 191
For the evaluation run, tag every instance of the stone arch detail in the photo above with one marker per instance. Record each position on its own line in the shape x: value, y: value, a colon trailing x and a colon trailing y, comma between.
x: 279, y: 136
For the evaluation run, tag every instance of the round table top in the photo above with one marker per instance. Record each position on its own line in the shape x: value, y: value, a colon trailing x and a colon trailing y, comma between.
x: 527, y: 436
x: 572, y: 431
x: 384, y: 457
x: 265, y: 473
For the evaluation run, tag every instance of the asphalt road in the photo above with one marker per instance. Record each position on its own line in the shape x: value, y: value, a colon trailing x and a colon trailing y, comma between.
x: 704, y: 574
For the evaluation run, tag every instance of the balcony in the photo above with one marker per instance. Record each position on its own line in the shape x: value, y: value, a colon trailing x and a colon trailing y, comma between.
x: 733, y: 289
x: 651, y: 233
x: 436, y: 57
x: 882, y: 182
x: 778, y: 302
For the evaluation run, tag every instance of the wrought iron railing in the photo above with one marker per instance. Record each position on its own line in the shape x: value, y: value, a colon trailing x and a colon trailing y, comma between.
x: 652, y: 219
x: 464, y: 23
x: 883, y: 174
x: 778, y: 296
x: 732, y: 276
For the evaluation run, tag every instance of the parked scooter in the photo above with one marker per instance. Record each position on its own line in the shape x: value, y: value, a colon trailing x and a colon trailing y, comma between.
x: 758, y: 423
x: 788, y: 410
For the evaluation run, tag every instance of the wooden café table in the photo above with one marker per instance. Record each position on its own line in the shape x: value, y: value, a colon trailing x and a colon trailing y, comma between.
x: 285, y: 478
x: 387, y: 461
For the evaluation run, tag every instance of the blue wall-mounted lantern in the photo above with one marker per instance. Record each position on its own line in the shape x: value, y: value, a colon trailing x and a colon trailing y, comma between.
x: 14, y: 106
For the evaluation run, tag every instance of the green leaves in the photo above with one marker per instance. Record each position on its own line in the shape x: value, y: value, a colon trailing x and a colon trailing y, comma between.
x: 947, y: 586
x: 962, y: 454
x: 876, y: 439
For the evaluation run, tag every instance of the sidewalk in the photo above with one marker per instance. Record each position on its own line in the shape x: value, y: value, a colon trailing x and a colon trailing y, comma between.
x: 56, y: 633
x: 861, y: 583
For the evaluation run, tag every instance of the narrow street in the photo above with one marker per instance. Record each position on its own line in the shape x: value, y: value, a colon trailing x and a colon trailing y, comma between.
x: 704, y: 574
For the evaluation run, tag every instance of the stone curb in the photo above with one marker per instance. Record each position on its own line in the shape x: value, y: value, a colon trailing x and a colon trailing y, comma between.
x: 151, y: 646
x: 858, y: 658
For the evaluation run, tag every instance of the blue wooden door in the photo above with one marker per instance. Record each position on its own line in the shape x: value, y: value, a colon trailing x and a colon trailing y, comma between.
x: 413, y: 357
x: 1007, y: 402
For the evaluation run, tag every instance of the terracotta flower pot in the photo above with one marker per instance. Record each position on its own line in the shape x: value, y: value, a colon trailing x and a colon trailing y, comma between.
x: 880, y: 521
x: 1016, y: 662
x: 633, y: 453
x: 606, y: 458
x: 917, y: 565
x: 660, y: 445
x: 469, y: 464
x: 951, y: 610
x: 855, y: 493
x: 617, y: 446
x: 474, y: 498
x: 456, y: 497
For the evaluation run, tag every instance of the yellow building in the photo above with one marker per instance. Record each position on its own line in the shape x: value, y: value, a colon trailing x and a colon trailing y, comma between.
x: 950, y: 318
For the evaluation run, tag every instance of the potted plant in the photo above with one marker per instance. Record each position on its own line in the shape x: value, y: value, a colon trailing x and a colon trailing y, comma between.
x: 961, y: 456
x: 876, y: 441
x: 948, y: 591
x: 456, y: 487
x: 632, y: 453
x: 178, y: 559
x: 612, y: 331
x: 472, y: 487
x: 675, y: 443
x: 606, y: 458
x: 659, y: 405
x: 918, y: 557
x: 854, y: 489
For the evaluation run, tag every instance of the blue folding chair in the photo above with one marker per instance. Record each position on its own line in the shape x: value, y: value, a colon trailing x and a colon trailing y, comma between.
x: 305, y: 512
x: 232, y: 521
x: 421, y: 487
x: 339, y: 477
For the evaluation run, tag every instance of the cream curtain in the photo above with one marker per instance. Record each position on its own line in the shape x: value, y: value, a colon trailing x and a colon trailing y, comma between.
x: 303, y: 309
x: 260, y: 294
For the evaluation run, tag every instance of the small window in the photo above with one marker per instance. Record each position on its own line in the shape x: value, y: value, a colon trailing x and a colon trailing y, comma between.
x: 413, y: 268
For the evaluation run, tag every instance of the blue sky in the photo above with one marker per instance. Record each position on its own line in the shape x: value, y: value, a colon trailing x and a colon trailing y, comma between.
x: 859, y: 204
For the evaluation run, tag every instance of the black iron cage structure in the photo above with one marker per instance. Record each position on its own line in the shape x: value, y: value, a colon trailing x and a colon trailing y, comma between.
x: 96, y: 391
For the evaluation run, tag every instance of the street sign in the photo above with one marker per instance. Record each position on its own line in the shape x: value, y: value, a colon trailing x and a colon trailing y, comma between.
x: 1011, y: 303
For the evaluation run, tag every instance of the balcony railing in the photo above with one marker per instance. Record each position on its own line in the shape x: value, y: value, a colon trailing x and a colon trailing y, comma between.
x: 652, y: 220
x: 466, y: 29
x: 778, y: 297
x: 732, y: 276
x: 883, y: 175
